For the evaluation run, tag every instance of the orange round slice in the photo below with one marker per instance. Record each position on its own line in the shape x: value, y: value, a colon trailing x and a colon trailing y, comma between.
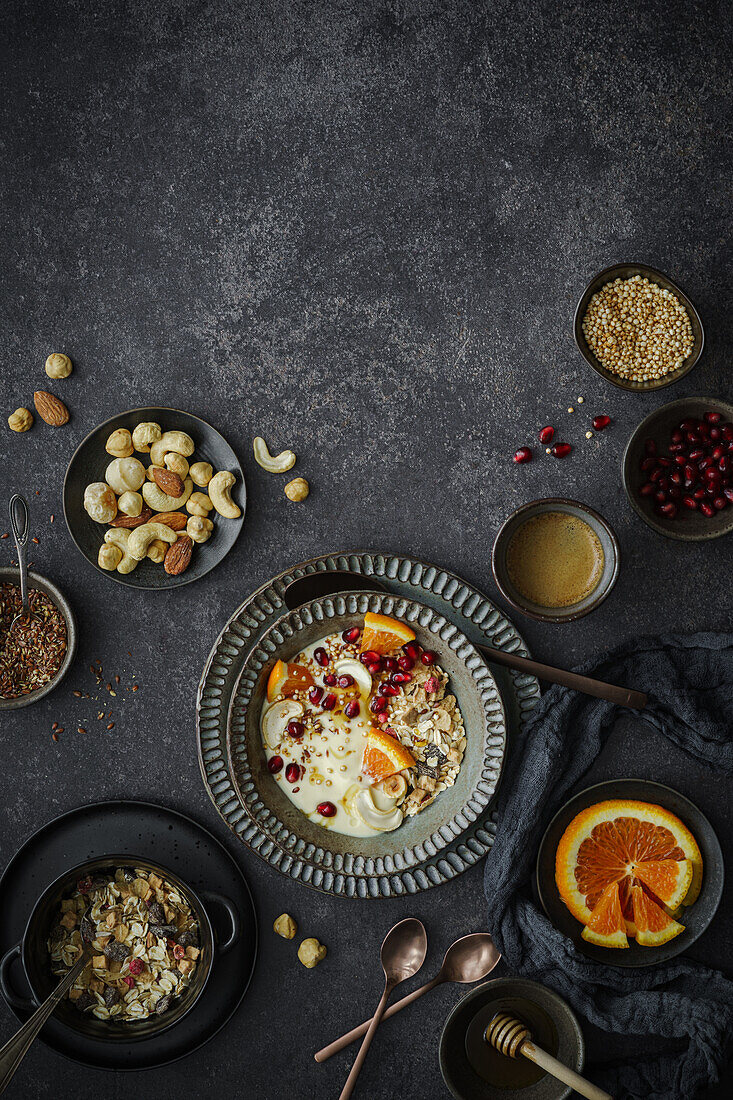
x: 606, y: 926
x: 384, y: 755
x: 286, y: 679
x: 383, y: 634
x: 607, y: 842
x: 653, y: 925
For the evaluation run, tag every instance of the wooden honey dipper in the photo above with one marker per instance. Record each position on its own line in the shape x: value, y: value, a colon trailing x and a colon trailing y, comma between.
x: 511, y: 1037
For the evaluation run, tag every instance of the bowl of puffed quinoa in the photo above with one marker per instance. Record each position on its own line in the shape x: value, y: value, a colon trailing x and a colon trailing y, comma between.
x: 637, y: 329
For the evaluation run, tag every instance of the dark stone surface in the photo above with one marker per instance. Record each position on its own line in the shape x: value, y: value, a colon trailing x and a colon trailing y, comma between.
x: 358, y: 229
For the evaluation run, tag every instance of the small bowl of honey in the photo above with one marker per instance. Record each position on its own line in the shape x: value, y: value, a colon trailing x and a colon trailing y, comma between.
x: 555, y: 559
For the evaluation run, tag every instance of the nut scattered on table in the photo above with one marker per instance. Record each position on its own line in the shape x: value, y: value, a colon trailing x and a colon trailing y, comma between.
x: 297, y: 489
x: 119, y: 444
x: 50, y: 409
x: 285, y: 926
x: 21, y: 420
x: 274, y: 464
x: 58, y: 365
x: 311, y: 952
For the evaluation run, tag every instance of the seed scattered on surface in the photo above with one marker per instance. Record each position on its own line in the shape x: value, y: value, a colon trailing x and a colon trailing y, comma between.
x: 548, y: 450
x: 35, y: 540
x: 80, y: 729
x: 135, y: 687
x: 589, y: 435
x: 54, y: 737
x: 77, y: 694
x: 110, y: 726
x: 581, y: 400
x: 53, y: 517
x: 4, y: 535
x: 55, y: 726
x: 571, y: 409
x: 117, y: 679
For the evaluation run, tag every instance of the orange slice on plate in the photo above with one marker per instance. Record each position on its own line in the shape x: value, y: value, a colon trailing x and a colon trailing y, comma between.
x: 286, y: 679
x: 606, y: 926
x: 653, y: 926
x: 384, y: 755
x: 383, y: 634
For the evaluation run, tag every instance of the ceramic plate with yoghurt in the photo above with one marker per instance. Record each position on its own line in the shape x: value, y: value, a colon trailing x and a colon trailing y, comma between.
x: 360, y: 729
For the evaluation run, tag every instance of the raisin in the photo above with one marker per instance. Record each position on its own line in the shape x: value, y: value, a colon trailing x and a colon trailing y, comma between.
x: 87, y: 928
x: 111, y: 996
x: 157, y: 913
x: 163, y: 930
x: 58, y: 932
x: 117, y: 952
x: 163, y: 1003
x: 189, y: 938
x: 129, y: 874
x: 84, y: 1001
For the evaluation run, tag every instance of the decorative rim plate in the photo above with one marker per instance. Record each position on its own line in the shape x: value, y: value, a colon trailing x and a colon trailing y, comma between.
x: 429, y: 832
x: 469, y: 608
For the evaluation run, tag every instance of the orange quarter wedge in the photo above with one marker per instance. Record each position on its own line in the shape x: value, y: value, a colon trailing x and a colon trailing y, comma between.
x: 286, y: 679
x: 384, y: 755
x: 383, y: 634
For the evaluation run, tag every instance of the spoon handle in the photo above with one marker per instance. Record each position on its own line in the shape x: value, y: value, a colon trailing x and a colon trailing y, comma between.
x: 19, y: 523
x: 563, y: 1073
x: 623, y: 697
x: 15, y: 1050
x: 357, y: 1032
x: 359, y: 1061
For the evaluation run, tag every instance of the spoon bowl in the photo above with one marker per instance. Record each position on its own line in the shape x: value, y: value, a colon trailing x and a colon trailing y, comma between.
x: 469, y: 959
x: 403, y: 950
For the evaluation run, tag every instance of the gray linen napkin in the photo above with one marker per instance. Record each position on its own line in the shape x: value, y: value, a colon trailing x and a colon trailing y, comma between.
x: 689, y: 680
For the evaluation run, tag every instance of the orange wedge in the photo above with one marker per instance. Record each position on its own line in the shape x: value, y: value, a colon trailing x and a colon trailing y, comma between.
x: 287, y: 679
x: 653, y: 925
x: 384, y: 755
x: 383, y: 634
x: 606, y: 926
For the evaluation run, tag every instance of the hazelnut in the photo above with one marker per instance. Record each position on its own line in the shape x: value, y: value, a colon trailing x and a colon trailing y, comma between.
x: 58, y: 365
x: 285, y: 926
x: 144, y: 434
x: 297, y: 489
x: 199, y: 528
x: 177, y: 463
x: 119, y: 444
x: 311, y: 952
x: 198, y: 504
x: 201, y: 473
x: 21, y: 420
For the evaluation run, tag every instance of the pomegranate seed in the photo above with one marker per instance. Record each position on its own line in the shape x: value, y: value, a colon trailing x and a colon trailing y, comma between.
x: 274, y: 764
x: 522, y: 455
x: 690, y: 472
x: 371, y: 657
x: 696, y: 455
x: 600, y: 423
x: 345, y: 681
x: 727, y: 432
x: 428, y: 657
x: 647, y: 464
x: 374, y: 668
x: 412, y: 649
x: 681, y: 460
x: 677, y: 436
x: 707, y: 510
x: 650, y: 446
x: 692, y: 437
x: 674, y: 449
x: 699, y: 494
x: 326, y: 809
x: 665, y: 462
x: 388, y: 689
x: 720, y: 503
x: 657, y: 474
x: 669, y: 510
x: 704, y: 463
x: 675, y: 477
x: 406, y: 663
x: 401, y: 677
x: 663, y: 483
x: 292, y: 773
x: 382, y: 719
x: 561, y: 450
x: 84, y: 885
x: 713, y: 476
x: 378, y: 705
x: 660, y: 496
x: 674, y: 493
x: 688, y: 425
x: 320, y: 657
x: 648, y: 489
x: 352, y: 634
x: 713, y: 417
x: 315, y: 694
x: 295, y: 729
x: 546, y: 434
x: 689, y: 502
x: 728, y: 494
x: 351, y: 710
x: 715, y: 434
x: 330, y: 679
x: 718, y: 452
x: 329, y: 701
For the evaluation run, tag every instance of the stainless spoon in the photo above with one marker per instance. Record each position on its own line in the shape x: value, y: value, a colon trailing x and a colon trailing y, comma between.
x: 467, y: 960
x: 15, y: 1050
x: 313, y: 585
x: 19, y: 523
x: 402, y: 954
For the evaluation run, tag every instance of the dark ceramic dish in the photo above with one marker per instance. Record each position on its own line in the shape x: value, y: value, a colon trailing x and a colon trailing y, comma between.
x: 695, y: 918
x: 611, y: 551
x: 33, y: 953
x: 35, y: 580
x: 470, y: 1067
x: 452, y: 812
x: 627, y: 271
x: 88, y: 464
x: 688, y: 526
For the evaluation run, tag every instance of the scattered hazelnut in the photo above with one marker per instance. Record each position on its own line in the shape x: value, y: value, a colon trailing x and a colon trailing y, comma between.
x: 311, y: 952
x: 297, y: 489
x: 21, y: 420
x: 286, y: 927
x: 58, y: 365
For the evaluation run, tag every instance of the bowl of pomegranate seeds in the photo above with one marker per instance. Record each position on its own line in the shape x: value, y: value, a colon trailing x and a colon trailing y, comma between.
x: 678, y: 469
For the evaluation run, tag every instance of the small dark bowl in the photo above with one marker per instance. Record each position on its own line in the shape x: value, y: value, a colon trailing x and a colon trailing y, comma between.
x: 696, y: 917
x: 569, y: 614
x: 88, y: 464
x: 35, y: 580
x: 33, y: 953
x: 627, y: 271
x: 472, y: 1015
x: 688, y: 526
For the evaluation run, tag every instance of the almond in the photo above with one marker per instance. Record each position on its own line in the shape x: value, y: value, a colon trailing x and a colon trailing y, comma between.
x: 168, y: 481
x: 132, y: 521
x: 175, y: 520
x: 178, y: 557
x: 50, y: 409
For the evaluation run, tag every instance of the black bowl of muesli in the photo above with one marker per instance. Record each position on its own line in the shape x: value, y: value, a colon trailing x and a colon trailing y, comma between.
x: 151, y: 943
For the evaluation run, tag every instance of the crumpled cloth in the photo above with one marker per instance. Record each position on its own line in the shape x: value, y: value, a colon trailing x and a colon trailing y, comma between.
x: 689, y: 681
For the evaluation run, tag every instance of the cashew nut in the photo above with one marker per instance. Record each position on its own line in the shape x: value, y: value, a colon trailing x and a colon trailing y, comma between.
x: 100, y: 502
x: 275, y: 464
x: 120, y: 537
x: 109, y: 557
x: 141, y: 537
x: 144, y: 434
x: 160, y: 501
x: 177, y: 463
x: 198, y: 504
x: 199, y: 528
x: 220, y: 494
x: 130, y: 503
x: 119, y: 444
x: 125, y: 473
x: 201, y: 473
x: 157, y: 551
x: 180, y: 442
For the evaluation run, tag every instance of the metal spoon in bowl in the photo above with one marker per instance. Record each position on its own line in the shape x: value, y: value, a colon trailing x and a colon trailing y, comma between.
x: 467, y: 960
x: 402, y: 954
x: 19, y: 523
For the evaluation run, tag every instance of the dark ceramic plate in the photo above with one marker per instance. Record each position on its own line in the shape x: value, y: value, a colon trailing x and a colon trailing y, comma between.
x: 696, y: 918
x: 627, y: 271
x: 88, y: 464
x: 687, y: 525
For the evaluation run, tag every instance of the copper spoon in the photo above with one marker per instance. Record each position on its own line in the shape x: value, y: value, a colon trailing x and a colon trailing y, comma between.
x: 313, y: 585
x: 402, y: 954
x: 467, y: 960
x: 510, y: 1037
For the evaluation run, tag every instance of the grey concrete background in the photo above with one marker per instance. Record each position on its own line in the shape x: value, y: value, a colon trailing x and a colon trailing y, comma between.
x: 360, y: 230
